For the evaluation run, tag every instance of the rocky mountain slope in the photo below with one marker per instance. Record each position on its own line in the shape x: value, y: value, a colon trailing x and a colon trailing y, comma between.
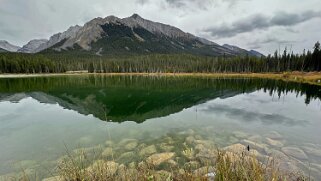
x: 8, y: 47
x: 131, y: 35
x: 32, y: 46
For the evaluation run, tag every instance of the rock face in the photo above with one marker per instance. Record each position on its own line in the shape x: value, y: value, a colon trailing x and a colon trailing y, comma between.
x: 56, y: 38
x: 32, y: 46
x: 295, y: 152
x: 8, y: 47
x: 159, y: 158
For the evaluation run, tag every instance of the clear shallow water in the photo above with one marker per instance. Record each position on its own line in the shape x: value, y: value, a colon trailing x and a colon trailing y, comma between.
x: 40, y: 117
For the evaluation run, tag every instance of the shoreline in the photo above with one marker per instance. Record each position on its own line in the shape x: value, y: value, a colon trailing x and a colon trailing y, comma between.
x: 299, y: 77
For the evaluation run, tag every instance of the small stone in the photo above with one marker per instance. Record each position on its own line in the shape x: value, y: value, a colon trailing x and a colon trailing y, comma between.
x: 273, y: 142
x: 295, y: 152
x: 107, y: 152
x: 148, y: 150
x: 159, y: 158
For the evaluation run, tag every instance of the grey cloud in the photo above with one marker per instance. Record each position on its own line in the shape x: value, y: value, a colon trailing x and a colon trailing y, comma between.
x: 248, y: 116
x: 142, y: 2
x: 261, y: 22
x: 261, y: 42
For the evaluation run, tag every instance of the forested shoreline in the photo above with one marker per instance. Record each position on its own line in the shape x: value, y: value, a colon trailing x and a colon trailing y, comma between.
x: 159, y: 63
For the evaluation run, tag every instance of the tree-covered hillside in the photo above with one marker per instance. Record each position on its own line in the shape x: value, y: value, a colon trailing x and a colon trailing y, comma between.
x: 49, y: 62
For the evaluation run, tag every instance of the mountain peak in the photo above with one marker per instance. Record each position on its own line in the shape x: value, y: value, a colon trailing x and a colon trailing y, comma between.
x: 136, y: 16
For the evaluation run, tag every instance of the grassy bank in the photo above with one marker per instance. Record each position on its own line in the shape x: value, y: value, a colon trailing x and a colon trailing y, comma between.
x: 299, y: 77
x: 224, y: 166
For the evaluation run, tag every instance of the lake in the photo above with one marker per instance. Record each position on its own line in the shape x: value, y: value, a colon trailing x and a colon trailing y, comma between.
x: 42, y: 119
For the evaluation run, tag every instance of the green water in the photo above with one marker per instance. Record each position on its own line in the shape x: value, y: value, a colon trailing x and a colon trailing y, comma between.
x: 42, y: 117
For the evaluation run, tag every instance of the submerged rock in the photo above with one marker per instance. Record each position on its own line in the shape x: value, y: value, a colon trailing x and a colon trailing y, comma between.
x: 126, y: 141
x: 190, y: 140
x: 295, y: 152
x: 148, y: 150
x: 159, y: 158
x: 253, y: 145
x: 132, y: 145
x: 236, y: 148
x: 240, y: 134
x: 108, y: 167
x: 312, y: 151
x: 166, y: 147
x: 273, y: 142
x: 107, y: 152
x: 109, y: 143
x: 274, y: 135
x: 126, y: 157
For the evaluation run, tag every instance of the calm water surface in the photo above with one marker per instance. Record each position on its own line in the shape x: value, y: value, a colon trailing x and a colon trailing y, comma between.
x: 43, y: 117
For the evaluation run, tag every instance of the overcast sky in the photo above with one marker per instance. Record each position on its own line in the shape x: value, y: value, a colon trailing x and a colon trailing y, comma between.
x: 263, y: 25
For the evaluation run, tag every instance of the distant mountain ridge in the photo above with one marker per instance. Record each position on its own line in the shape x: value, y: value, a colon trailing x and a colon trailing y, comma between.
x: 131, y: 35
x: 6, y: 46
